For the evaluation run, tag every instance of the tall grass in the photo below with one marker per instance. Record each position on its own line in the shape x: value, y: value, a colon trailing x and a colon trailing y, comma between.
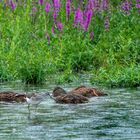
x: 36, y: 42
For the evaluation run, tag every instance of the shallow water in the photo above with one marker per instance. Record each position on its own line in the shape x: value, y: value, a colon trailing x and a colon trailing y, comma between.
x: 113, y: 117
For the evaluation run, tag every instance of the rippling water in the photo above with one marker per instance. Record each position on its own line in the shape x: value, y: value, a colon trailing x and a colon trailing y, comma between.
x: 113, y: 117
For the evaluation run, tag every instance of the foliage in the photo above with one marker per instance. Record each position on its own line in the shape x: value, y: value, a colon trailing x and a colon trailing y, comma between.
x: 118, y: 76
x: 33, y: 45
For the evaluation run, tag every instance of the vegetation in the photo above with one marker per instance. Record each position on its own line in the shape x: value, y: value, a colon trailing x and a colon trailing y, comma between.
x: 42, y: 38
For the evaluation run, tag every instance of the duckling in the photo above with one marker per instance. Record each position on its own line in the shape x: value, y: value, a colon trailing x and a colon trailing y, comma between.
x: 8, y: 96
x: 61, y: 96
x: 87, y: 92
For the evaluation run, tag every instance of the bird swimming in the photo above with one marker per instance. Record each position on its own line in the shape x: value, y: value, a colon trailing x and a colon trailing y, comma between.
x: 87, y: 92
x: 9, y: 96
x: 61, y: 96
x: 75, y: 96
x: 58, y: 91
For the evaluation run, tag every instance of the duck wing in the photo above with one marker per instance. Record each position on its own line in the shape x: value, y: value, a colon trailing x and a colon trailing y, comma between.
x: 71, y: 99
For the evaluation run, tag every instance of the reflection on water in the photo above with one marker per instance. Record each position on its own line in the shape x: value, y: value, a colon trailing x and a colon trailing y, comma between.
x: 116, y: 116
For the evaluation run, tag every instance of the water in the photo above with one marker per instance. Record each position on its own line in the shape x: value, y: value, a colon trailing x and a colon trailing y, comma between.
x: 113, y: 117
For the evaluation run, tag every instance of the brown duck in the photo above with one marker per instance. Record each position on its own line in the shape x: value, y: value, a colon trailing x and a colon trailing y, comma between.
x: 8, y: 96
x: 61, y: 96
x: 87, y: 92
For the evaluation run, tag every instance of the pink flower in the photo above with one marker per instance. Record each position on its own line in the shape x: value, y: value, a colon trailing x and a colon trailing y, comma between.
x: 107, y: 24
x: 88, y: 20
x: 56, y: 4
x: 53, y: 32
x: 68, y: 9
x: 48, y: 7
x: 105, y: 4
x: 138, y: 6
x: 126, y: 7
x: 60, y: 26
x: 78, y: 17
x: 41, y: 2
x: 13, y: 5
x: 55, y: 15
x: 91, y: 4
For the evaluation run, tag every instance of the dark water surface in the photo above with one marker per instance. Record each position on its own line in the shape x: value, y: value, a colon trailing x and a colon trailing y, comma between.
x: 113, y: 117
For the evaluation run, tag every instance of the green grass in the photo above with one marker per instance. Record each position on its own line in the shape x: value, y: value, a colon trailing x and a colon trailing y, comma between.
x: 117, y: 76
x: 25, y: 53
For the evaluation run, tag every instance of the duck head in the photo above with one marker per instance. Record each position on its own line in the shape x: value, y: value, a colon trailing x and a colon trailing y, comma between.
x: 58, y: 91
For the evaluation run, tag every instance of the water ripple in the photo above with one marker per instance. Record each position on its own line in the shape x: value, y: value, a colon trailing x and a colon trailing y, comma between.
x: 113, y: 117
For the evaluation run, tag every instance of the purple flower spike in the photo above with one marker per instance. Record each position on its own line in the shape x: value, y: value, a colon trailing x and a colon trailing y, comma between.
x: 56, y: 4
x: 48, y: 7
x: 107, y: 24
x: 97, y: 4
x: 105, y: 4
x: 53, y: 32
x: 34, y: 10
x: 126, y: 7
x: 78, y: 17
x: 138, y: 6
x: 60, y: 26
x: 41, y: 2
x: 91, y: 4
x: 55, y: 15
x: 88, y: 19
x: 68, y: 9
x: 13, y: 5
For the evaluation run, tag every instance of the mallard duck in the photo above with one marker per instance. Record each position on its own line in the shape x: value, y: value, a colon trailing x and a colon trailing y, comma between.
x: 8, y: 96
x: 87, y: 92
x: 71, y: 98
x: 58, y: 91
x: 61, y: 96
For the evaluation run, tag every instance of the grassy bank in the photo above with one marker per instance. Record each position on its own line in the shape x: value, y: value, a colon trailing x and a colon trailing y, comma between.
x: 35, y: 44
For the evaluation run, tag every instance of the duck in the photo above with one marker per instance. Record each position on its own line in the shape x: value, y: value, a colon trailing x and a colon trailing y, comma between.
x: 87, y: 92
x: 58, y: 91
x: 9, y: 96
x: 61, y: 96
